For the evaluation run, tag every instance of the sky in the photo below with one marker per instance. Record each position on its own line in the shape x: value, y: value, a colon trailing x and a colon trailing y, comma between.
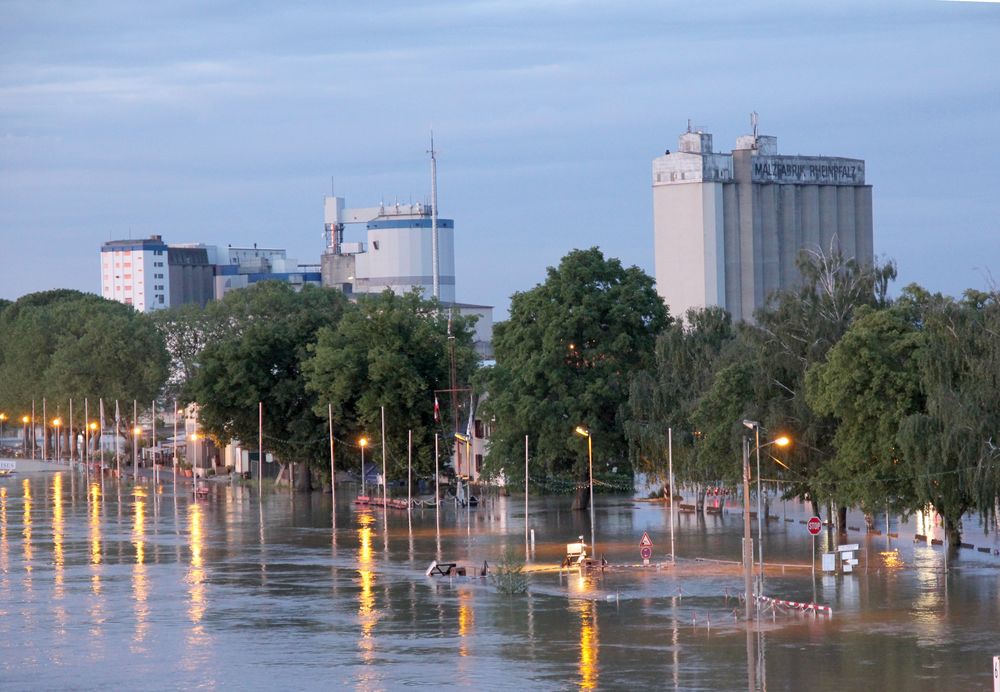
x: 227, y: 123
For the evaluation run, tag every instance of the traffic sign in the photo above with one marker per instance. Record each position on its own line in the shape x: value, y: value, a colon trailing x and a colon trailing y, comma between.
x: 646, y: 552
x: 645, y: 542
x: 814, y: 525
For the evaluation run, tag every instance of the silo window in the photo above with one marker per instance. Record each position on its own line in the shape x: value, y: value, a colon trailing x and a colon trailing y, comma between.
x: 375, y: 244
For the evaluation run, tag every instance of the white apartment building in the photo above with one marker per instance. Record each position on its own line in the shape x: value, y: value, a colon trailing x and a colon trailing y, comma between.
x: 135, y: 272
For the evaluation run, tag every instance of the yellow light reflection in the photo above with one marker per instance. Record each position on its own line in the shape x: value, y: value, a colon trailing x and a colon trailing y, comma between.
x: 367, y: 613
x: 96, y: 556
x: 58, y: 528
x: 587, y: 610
x: 4, y: 556
x: 891, y: 559
x: 140, y: 586
x: 26, y: 533
x: 466, y: 621
x: 196, y: 573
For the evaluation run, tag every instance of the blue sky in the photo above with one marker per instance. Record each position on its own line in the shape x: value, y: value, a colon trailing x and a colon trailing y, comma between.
x: 225, y: 125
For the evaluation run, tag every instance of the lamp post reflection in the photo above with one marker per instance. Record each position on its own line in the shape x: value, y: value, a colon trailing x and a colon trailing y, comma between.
x: 586, y: 610
x: 367, y: 614
x: 140, y: 587
x: 196, y: 591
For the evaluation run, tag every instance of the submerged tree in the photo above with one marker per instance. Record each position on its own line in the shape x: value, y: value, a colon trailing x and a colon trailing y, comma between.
x: 869, y: 384
x: 952, y: 444
x: 667, y: 397
x: 389, y: 351
x: 261, y: 360
x: 564, y: 359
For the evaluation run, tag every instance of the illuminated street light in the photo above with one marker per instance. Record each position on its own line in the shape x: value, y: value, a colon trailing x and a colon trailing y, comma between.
x: 585, y: 432
x: 781, y: 441
x: 25, y: 420
x: 363, y: 442
x: 56, y: 422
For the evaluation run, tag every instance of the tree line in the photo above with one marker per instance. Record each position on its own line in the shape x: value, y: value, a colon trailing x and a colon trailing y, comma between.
x: 892, y: 403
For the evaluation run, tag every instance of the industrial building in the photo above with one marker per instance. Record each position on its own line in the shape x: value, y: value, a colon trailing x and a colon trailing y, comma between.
x: 729, y: 227
x: 150, y: 275
x: 397, y: 254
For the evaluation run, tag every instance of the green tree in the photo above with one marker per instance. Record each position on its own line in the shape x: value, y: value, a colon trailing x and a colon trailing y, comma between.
x: 565, y: 358
x: 668, y: 395
x: 63, y: 344
x: 869, y: 383
x: 270, y: 328
x: 952, y: 443
x: 389, y: 351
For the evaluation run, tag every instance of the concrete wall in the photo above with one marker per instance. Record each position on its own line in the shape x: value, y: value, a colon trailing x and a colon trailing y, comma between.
x: 689, y: 254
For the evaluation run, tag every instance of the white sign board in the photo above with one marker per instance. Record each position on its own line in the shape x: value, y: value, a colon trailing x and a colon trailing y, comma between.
x: 829, y: 562
x: 996, y: 674
x: 7, y: 465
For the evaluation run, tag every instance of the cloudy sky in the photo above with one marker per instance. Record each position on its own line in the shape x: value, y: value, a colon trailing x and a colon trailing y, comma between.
x: 226, y: 125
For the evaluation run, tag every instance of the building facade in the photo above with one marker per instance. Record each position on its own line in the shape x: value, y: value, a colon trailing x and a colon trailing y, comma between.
x: 150, y: 275
x: 397, y: 252
x: 729, y: 227
x: 135, y: 272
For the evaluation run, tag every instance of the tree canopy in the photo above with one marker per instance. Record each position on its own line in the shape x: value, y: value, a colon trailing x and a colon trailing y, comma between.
x: 389, y: 351
x: 66, y: 344
x: 269, y: 328
x: 565, y: 358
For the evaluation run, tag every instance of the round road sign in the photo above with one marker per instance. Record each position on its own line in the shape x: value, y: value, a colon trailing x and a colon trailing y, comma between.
x: 646, y: 552
x: 814, y: 525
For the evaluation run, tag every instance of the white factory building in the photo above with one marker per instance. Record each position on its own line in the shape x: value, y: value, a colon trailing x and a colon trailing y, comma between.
x: 397, y: 252
x: 729, y: 227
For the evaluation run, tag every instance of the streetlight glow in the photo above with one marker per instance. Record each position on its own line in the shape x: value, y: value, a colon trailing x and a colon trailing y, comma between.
x: 580, y: 430
x: 782, y: 441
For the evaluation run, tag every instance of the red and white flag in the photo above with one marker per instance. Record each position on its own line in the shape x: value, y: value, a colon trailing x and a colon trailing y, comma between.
x: 437, y: 409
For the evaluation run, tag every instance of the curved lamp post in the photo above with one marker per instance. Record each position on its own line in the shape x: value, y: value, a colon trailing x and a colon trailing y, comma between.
x: 781, y: 441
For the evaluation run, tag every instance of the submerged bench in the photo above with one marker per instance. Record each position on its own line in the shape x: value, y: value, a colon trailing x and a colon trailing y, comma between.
x: 445, y: 569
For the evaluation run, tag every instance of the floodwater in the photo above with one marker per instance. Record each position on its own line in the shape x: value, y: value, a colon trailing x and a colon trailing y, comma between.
x: 108, y: 584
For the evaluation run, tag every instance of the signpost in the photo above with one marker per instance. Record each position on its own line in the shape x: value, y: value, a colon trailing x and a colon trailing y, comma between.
x: 645, y: 548
x: 815, y: 525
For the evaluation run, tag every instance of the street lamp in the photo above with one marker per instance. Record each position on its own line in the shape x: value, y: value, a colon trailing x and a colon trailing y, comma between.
x: 585, y: 432
x: 24, y: 450
x: 91, y: 429
x: 363, y: 442
x: 136, y: 436
x: 56, y: 422
x: 781, y: 441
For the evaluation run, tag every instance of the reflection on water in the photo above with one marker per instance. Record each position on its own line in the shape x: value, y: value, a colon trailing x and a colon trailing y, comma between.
x: 197, y: 636
x: 586, y: 611
x: 140, y: 588
x: 97, y: 592
x: 367, y: 614
x: 466, y: 621
x: 26, y: 534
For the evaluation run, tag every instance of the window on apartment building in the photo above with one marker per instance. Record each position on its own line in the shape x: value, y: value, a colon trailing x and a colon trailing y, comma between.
x: 159, y: 299
x: 479, y: 462
x: 479, y: 429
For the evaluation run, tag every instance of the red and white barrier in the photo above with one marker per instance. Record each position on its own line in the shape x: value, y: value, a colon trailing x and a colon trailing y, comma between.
x: 796, y: 605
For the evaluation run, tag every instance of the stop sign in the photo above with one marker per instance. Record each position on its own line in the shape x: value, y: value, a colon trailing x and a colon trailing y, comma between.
x: 814, y: 525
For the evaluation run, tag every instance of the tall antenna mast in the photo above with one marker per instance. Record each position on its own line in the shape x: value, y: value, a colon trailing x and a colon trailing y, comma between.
x: 435, y: 271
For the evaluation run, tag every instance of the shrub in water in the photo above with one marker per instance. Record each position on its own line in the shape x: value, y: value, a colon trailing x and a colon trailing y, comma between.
x: 508, y: 574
